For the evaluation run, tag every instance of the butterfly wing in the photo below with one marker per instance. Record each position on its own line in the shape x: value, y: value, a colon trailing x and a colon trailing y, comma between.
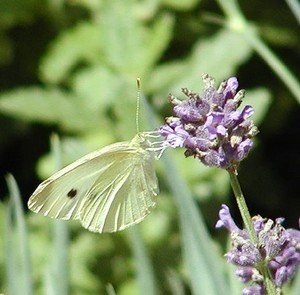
x: 123, y: 195
x: 61, y: 195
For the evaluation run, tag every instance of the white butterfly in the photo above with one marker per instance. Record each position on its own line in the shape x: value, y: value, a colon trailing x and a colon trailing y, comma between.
x: 107, y: 190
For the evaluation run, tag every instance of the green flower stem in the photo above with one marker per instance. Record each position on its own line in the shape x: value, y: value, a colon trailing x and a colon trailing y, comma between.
x: 243, y: 207
x: 271, y: 289
x: 250, y: 229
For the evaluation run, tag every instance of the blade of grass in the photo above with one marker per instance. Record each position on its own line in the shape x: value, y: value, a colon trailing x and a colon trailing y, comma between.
x: 175, y: 283
x: 22, y: 253
x: 58, y: 276
x: 11, y: 270
x: 203, y: 264
x: 145, y: 274
x: 110, y: 290
x: 48, y: 286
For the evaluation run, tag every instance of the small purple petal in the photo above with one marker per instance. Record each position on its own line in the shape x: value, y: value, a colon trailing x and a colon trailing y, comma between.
x: 191, y: 110
x: 212, y: 158
x: 244, y: 273
x: 247, y: 112
x: 281, y: 276
x: 231, y: 87
x: 226, y: 220
x: 253, y: 290
x: 243, y: 149
x: 221, y: 130
x: 174, y: 137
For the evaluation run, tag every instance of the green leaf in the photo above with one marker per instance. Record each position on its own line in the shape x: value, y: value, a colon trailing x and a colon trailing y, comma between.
x: 236, y: 286
x: 175, y: 283
x: 15, y: 12
x: 18, y: 254
x: 144, y: 270
x: 129, y: 287
x: 147, y: 9
x: 110, y: 290
x: 218, y: 56
x: 278, y: 35
x: 130, y: 47
x: 163, y: 76
x: 80, y: 43
x: 49, y: 106
x: 295, y: 8
x: 58, y: 268
x: 123, y: 36
x: 179, y: 4
x: 98, y: 87
x: 158, y: 40
x: 10, y: 259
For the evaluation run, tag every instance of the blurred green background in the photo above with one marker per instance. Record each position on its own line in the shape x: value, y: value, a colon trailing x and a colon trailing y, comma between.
x: 70, y: 66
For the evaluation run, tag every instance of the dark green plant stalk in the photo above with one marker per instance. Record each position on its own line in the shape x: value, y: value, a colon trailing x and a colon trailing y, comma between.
x: 250, y: 229
x: 295, y: 8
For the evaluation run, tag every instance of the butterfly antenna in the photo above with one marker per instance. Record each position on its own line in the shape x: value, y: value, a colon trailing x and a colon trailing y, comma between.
x: 138, y: 82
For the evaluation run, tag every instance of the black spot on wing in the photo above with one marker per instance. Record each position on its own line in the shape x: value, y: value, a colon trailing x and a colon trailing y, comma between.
x: 72, y: 193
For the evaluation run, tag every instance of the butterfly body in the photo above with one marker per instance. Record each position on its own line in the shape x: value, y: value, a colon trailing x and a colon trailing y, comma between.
x: 107, y: 190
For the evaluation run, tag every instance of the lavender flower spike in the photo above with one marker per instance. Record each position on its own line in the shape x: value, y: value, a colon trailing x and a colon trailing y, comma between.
x: 210, y: 126
x: 278, y: 248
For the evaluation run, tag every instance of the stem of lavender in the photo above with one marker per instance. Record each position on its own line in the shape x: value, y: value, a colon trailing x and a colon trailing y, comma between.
x: 243, y: 207
x: 250, y: 228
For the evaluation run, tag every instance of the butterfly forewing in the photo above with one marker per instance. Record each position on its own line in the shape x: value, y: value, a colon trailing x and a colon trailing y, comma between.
x: 60, y: 196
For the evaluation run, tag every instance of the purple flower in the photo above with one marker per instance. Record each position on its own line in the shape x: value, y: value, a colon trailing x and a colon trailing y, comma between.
x: 277, y: 247
x: 210, y: 126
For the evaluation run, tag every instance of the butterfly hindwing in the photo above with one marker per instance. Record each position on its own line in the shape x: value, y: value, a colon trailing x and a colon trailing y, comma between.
x: 123, y: 195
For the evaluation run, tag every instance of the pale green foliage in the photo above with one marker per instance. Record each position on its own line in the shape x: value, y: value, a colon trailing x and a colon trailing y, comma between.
x: 78, y: 44
x: 43, y: 106
x: 216, y: 54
